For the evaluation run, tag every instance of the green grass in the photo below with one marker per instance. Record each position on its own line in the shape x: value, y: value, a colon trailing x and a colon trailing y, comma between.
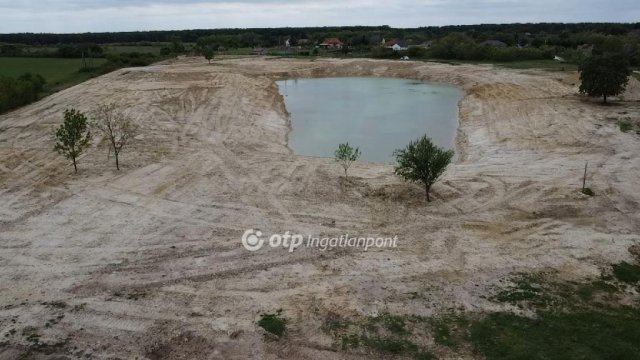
x: 594, y: 334
x: 58, y: 73
x: 566, y: 320
x: 588, y: 191
x: 627, y: 273
x: 385, y: 334
x: 549, y: 65
x: 625, y: 126
x: 273, y: 323
x: 586, y: 320
x: 121, y: 49
x: 55, y: 71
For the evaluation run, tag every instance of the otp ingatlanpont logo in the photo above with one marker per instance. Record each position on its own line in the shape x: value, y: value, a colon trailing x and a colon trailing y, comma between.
x: 252, y: 240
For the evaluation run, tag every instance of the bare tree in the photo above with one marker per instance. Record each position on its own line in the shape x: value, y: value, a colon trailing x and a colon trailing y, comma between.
x: 116, y: 127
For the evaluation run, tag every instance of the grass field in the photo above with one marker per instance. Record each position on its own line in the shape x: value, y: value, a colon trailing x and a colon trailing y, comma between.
x: 550, y: 65
x: 55, y: 71
x: 120, y: 49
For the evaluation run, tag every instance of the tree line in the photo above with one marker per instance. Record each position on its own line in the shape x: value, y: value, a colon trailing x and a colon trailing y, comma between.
x: 270, y: 36
x: 16, y: 92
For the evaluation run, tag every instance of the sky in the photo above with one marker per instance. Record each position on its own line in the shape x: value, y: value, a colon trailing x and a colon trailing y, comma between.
x: 71, y: 16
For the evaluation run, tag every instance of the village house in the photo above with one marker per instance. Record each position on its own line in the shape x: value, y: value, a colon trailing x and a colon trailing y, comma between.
x: 396, y: 45
x: 331, y: 43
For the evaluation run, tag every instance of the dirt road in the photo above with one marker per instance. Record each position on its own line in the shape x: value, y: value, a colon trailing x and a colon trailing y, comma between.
x: 147, y: 262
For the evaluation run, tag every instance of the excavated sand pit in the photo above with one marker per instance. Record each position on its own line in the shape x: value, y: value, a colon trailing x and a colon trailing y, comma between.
x: 147, y: 262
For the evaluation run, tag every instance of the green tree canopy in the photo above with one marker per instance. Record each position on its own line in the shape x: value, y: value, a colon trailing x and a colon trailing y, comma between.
x: 422, y: 161
x: 208, y: 54
x: 72, y: 136
x: 345, y: 155
x: 604, y: 75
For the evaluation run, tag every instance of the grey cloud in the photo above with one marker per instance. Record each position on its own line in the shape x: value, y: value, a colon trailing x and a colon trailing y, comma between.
x: 124, y: 15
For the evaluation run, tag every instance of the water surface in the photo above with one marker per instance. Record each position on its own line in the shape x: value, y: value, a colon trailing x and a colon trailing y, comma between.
x: 378, y: 115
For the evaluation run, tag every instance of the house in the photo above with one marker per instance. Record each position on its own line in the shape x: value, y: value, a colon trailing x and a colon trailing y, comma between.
x: 396, y: 44
x: 494, y: 43
x: 331, y: 43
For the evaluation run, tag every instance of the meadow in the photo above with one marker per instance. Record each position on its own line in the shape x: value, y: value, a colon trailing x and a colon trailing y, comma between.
x: 57, y: 72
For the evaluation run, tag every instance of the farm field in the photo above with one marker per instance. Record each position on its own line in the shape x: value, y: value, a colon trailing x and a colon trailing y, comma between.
x: 57, y: 72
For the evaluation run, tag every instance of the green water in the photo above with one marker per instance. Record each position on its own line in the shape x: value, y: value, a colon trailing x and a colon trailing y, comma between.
x: 378, y: 115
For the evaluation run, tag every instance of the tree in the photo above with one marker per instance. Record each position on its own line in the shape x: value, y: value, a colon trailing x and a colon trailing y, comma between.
x: 422, y: 161
x: 176, y: 46
x: 345, y: 155
x: 604, y: 75
x: 72, y: 136
x: 208, y: 53
x: 116, y: 127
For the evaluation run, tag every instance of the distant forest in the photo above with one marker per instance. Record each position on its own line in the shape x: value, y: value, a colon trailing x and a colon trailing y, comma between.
x: 567, y: 35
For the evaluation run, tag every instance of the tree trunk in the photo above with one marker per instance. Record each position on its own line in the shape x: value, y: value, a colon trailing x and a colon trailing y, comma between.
x: 605, y: 99
x: 117, y: 163
x: 75, y: 167
x: 345, y: 174
x: 427, y: 187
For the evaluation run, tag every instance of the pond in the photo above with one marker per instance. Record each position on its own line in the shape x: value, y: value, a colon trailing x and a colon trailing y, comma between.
x: 378, y: 115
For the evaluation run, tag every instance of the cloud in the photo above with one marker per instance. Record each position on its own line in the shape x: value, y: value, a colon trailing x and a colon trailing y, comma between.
x: 127, y: 15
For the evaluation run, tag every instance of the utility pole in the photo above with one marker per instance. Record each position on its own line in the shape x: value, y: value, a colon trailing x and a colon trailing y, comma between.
x: 584, y: 179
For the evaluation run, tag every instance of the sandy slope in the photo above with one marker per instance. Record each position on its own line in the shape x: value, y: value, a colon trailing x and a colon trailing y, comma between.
x: 148, y: 260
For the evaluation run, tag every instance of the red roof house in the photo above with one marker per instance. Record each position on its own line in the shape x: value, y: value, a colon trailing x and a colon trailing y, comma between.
x: 333, y: 43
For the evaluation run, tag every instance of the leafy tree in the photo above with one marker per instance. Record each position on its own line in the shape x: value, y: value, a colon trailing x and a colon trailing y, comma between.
x: 72, y: 136
x: 15, y: 92
x: 177, y: 47
x: 116, y: 127
x: 345, y: 155
x: 422, y: 161
x: 208, y: 53
x: 604, y: 75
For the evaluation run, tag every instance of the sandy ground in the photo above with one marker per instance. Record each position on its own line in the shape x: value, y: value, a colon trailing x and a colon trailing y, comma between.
x: 147, y: 262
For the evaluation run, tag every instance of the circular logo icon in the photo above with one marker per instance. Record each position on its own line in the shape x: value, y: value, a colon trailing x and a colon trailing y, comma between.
x: 251, y: 240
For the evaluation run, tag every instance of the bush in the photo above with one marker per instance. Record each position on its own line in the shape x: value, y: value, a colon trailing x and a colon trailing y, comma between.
x: 588, y: 191
x: 19, y: 91
x: 626, y: 272
x: 273, y: 323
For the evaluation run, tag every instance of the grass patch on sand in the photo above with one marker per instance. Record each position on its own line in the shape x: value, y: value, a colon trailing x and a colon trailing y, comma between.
x: 566, y: 320
x: 273, y: 323
x: 627, y: 273
x: 592, y: 334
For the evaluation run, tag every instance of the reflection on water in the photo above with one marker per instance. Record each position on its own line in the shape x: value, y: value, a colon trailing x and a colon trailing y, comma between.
x: 378, y: 115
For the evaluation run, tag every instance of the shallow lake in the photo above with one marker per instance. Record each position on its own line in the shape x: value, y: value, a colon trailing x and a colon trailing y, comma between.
x: 378, y: 115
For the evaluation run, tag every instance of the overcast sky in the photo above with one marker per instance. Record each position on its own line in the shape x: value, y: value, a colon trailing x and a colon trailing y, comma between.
x: 126, y: 15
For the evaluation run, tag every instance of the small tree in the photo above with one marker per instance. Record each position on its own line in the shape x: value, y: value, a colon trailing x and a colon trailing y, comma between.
x: 604, y: 75
x: 422, y: 161
x: 116, y: 127
x: 208, y: 53
x: 73, y: 136
x: 345, y: 155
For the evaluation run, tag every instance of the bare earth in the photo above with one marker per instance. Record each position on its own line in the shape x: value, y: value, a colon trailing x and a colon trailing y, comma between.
x: 147, y: 262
